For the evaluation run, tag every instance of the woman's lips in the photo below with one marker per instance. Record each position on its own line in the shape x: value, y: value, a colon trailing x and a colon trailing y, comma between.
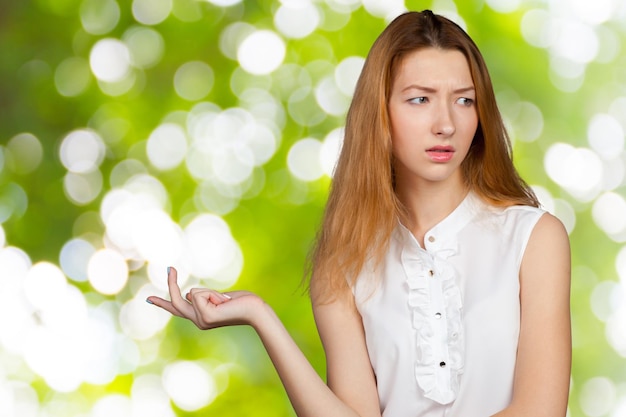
x: 440, y: 153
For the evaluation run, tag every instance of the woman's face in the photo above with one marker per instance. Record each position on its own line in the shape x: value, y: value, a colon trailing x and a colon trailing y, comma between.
x: 433, y: 116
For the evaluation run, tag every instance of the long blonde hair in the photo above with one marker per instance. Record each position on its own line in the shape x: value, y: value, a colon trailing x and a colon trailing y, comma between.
x: 363, y: 208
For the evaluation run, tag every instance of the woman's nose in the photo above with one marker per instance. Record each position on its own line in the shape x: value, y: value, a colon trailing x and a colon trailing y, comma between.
x: 443, y: 124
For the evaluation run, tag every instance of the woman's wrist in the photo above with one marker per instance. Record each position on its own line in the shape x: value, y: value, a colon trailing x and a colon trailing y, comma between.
x: 261, y: 316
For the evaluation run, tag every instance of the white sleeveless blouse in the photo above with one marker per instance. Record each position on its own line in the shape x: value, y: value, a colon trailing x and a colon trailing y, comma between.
x: 442, y: 322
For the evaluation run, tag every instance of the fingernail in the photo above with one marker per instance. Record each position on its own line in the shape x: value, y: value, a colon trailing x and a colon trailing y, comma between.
x: 148, y: 301
x: 227, y: 296
x: 168, y: 270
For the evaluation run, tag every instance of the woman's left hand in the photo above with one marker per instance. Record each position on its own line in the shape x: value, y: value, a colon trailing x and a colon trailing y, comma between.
x: 207, y: 308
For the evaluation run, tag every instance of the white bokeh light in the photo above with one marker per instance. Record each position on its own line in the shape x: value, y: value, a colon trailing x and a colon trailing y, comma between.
x: 147, y: 186
x: 149, y: 397
x: 15, y: 265
x: 578, y: 170
x: 109, y: 352
x: 233, y: 166
x: 51, y: 365
x: 138, y: 319
x: 566, y: 213
x: 24, y: 152
x: 219, y: 198
x: 597, y: 396
x: 189, y: 385
x: 82, y: 151
x: 124, y: 170
x: 156, y: 237
x: 74, y: 257
x: 99, y: 17
x: 146, y: 45
x: 557, y: 207
x: 574, y: 41
x: 615, y: 332
x: 57, y: 347
x: 504, y: 6
x: 151, y: 12
x: 18, y: 398
x: 296, y: 19
x: 14, y: 201
x: 194, y: 80
x: 329, y: 152
x: 261, y: 52
x: 232, y: 36
x: 167, y: 146
x: 212, y: 252
x: 344, y: 6
x: 535, y: 27
x: 110, y: 60
x: 72, y: 76
x: 157, y: 274
x: 123, y: 86
x: 610, y: 45
x: 545, y: 198
x: 224, y: 3
x: 528, y: 122
x: 303, y: 159
x: 387, y: 9
x: 107, y: 272
x: 122, y: 210
x: 620, y: 266
x: 44, y: 285
x: 303, y: 107
x: 228, y: 145
x: 112, y: 405
x: 609, y: 213
x: 614, y: 173
x: 593, y: 12
x: 617, y: 109
x: 82, y: 189
x: 265, y: 108
x: 347, y: 74
x: 330, y: 98
x: 449, y: 10
x: 602, y: 299
x: 606, y: 136
x: 619, y: 410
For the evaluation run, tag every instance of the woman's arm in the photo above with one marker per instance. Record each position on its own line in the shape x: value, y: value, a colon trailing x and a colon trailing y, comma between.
x: 542, y: 370
x: 308, y: 393
x: 348, y: 367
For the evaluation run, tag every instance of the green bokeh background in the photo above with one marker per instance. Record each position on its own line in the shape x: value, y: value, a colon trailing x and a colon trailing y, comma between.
x: 276, y: 227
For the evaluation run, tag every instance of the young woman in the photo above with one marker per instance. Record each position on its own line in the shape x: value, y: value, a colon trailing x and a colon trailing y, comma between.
x: 439, y: 287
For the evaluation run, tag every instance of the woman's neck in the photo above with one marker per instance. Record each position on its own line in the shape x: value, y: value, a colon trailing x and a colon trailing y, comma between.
x: 428, y: 204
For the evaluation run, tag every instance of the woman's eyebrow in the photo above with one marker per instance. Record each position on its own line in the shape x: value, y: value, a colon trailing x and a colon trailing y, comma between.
x: 434, y: 90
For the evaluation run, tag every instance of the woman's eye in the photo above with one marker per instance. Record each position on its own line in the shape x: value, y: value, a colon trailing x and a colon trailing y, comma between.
x: 466, y: 101
x: 418, y: 100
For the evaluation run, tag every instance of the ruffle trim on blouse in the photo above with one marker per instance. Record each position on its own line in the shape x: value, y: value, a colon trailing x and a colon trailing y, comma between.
x: 431, y: 378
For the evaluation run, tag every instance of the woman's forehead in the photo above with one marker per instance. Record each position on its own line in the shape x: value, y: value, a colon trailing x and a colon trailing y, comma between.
x: 431, y: 67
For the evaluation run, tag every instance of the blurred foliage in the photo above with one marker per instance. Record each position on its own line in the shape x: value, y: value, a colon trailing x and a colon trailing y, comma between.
x: 276, y: 226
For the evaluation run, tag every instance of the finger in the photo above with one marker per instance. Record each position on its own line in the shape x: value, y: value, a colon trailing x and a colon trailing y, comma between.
x: 205, y: 303
x: 212, y: 296
x: 185, y: 309
x: 164, y: 304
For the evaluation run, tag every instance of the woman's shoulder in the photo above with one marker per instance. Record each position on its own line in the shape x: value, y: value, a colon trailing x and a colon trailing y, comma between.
x: 506, y: 213
x: 512, y: 223
x: 549, y: 228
